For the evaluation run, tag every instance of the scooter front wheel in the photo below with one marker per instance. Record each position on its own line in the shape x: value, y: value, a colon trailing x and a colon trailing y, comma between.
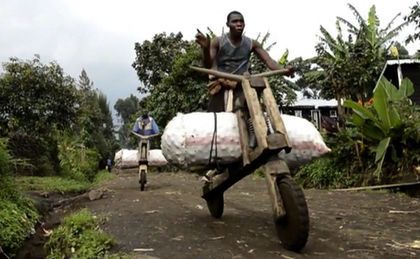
x: 216, y: 205
x: 293, y: 227
x: 143, y: 180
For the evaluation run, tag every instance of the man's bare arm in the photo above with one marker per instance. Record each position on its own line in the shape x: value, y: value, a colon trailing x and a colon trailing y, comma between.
x: 264, y: 56
x: 209, y: 47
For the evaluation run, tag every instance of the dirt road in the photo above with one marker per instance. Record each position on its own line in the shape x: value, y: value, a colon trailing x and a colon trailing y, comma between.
x: 171, y: 220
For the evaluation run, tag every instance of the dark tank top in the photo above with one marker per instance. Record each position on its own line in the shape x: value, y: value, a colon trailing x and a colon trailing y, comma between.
x: 232, y: 59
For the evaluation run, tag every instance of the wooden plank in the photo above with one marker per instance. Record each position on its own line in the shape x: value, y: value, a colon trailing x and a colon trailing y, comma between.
x: 377, y: 187
x: 257, y: 118
x: 243, y: 133
x: 273, y: 111
x: 219, y: 74
x: 256, y: 152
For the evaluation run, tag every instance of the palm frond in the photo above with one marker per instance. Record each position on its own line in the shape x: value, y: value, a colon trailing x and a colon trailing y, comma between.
x: 397, y: 29
x: 340, y: 33
x: 351, y: 27
x: 328, y: 39
x: 359, y: 18
x: 389, y: 24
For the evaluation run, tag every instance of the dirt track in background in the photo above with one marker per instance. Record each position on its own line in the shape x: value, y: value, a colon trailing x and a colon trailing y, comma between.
x: 171, y: 220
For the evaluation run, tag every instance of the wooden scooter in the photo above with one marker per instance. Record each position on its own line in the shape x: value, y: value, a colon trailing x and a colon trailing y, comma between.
x: 290, y: 210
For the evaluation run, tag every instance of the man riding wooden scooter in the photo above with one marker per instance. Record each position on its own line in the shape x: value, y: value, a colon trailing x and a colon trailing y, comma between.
x: 262, y: 131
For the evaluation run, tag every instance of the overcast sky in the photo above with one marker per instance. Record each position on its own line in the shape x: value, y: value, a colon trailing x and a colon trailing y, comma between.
x: 99, y: 35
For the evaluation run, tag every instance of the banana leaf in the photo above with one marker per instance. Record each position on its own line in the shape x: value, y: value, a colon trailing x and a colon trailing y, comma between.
x: 387, y: 114
x: 380, y: 155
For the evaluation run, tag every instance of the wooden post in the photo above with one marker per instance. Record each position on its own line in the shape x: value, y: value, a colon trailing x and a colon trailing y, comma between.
x: 243, y: 133
x: 257, y: 117
x: 274, y: 115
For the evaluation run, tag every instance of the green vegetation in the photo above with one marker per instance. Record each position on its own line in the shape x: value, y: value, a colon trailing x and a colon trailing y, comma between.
x: 379, y: 135
x: 40, y: 105
x: 18, y: 217
x: 382, y: 125
x: 348, y: 65
x: 51, y: 184
x: 80, y: 236
x: 17, y: 214
x: 322, y: 173
x: 414, y: 18
x: 382, y: 140
x: 61, y: 185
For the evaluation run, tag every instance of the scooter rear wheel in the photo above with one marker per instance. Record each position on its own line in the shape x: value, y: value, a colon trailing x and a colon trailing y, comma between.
x: 292, y: 228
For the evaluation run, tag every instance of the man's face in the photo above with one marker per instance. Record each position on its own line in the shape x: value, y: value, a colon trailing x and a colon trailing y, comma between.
x: 236, y: 24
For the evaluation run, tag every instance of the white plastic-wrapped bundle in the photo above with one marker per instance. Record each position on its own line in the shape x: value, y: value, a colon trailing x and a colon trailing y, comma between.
x: 156, y: 158
x: 187, y: 138
x: 305, y: 139
x: 126, y: 158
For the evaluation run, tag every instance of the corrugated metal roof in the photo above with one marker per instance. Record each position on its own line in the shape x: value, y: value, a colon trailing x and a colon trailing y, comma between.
x: 303, y: 101
x: 403, y: 61
x: 315, y: 102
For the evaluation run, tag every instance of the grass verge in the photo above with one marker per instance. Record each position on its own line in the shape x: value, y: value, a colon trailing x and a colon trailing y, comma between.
x: 61, y: 185
x: 80, y: 236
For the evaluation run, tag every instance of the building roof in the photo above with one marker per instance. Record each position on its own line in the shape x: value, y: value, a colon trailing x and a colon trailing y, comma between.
x: 315, y: 102
x: 310, y: 102
x: 402, y: 61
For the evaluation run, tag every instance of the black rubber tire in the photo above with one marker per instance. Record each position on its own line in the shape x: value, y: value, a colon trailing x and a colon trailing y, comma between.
x: 216, y: 204
x: 293, y: 228
x: 143, y: 180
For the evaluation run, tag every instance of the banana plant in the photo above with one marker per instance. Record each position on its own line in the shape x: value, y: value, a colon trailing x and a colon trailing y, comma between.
x: 381, y: 122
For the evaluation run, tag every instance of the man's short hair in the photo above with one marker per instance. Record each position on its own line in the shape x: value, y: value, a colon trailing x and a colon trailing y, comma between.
x: 232, y: 13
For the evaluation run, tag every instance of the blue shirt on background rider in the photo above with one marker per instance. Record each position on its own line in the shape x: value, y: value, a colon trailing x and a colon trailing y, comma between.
x: 145, y: 125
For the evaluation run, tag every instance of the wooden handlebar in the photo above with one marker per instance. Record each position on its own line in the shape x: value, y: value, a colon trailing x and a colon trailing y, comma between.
x: 238, y: 78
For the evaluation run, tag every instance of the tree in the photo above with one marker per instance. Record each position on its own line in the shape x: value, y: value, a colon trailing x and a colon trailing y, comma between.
x: 414, y: 17
x: 154, y: 59
x: 163, y: 66
x: 126, y: 110
x: 36, y: 99
x: 350, y: 68
x: 127, y: 107
x: 183, y: 90
x: 369, y: 50
x: 95, y: 127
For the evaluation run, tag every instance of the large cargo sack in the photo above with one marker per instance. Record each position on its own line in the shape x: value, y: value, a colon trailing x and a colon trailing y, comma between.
x: 187, y: 139
x: 156, y: 158
x: 128, y: 158
x: 305, y: 139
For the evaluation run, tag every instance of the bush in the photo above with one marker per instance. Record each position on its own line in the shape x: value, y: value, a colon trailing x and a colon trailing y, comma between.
x: 17, y: 214
x: 77, y: 162
x: 336, y: 170
x: 39, y: 154
x: 17, y: 221
x: 5, y: 158
x: 79, y: 236
x: 324, y: 173
x: 51, y: 184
